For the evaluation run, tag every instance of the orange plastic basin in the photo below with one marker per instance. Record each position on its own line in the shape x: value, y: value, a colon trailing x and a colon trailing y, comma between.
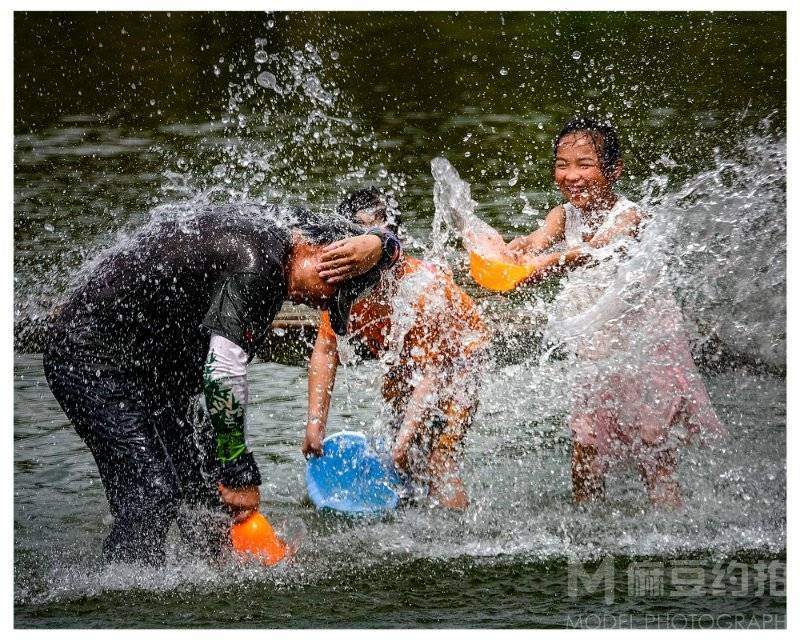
x: 496, y: 275
x: 255, y: 536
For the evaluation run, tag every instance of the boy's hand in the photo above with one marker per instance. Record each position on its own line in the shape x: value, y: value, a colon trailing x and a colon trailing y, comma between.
x: 242, y: 501
x: 345, y: 259
x: 312, y: 444
x: 400, y: 457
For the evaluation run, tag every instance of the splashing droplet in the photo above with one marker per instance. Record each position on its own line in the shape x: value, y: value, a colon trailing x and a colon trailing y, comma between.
x: 268, y: 81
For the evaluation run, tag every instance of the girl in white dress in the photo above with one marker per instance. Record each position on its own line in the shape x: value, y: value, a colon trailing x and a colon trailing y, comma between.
x: 638, y: 392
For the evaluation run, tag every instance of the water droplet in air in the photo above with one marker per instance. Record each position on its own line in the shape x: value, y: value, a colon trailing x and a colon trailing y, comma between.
x: 261, y: 56
x: 382, y: 173
x: 576, y: 55
x: 49, y: 227
x: 216, y: 70
x: 268, y: 81
x: 334, y: 55
x: 219, y: 170
x: 503, y: 71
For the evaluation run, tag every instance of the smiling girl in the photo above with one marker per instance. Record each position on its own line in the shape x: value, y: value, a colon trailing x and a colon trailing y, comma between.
x: 587, y: 165
x: 638, y: 395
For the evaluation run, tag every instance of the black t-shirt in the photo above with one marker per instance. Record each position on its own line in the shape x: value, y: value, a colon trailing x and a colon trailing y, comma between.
x: 148, y: 310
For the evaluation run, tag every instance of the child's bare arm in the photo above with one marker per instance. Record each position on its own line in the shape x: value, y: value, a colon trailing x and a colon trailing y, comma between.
x: 627, y: 223
x: 422, y: 399
x: 549, y: 233
x: 321, y: 379
x: 555, y: 262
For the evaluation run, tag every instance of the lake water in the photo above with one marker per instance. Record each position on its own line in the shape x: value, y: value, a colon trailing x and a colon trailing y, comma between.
x: 118, y: 114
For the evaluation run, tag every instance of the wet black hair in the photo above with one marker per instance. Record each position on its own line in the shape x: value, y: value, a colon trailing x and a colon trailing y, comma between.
x: 369, y: 198
x: 318, y: 229
x: 608, y: 148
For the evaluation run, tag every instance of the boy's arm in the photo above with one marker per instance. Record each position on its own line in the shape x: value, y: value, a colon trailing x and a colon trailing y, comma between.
x: 422, y: 398
x: 354, y: 256
x: 549, y: 233
x: 321, y: 379
x: 226, y: 394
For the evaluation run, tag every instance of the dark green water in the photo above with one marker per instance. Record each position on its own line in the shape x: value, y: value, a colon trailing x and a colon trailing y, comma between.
x: 118, y: 113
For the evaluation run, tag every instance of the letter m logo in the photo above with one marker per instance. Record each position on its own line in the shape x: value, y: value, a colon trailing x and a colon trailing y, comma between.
x: 591, y: 583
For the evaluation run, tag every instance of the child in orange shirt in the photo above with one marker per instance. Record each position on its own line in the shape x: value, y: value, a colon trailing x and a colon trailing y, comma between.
x: 429, y: 334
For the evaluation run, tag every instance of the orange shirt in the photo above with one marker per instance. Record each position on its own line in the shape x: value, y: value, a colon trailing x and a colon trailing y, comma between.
x: 437, y: 325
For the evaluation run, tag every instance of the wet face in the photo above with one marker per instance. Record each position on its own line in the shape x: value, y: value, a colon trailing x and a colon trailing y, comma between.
x: 374, y: 217
x: 305, y: 285
x: 579, y: 172
x: 317, y: 293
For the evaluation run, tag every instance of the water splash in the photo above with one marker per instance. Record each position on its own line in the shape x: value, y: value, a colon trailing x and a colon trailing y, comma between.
x: 716, y: 242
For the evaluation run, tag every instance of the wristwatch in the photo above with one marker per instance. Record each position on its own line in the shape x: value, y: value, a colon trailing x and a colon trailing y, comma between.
x: 390, y: 246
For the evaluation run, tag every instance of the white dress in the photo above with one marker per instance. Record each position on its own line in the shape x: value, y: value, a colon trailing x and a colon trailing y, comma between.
x: 636, y: 386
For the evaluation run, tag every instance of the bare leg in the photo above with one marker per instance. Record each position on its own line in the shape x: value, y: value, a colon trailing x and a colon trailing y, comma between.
x: 446, y: 488
x: 657, y: 470
x: 588, y: 481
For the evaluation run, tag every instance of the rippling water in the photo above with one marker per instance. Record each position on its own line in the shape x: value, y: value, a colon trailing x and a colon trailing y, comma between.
x: 504, y: 562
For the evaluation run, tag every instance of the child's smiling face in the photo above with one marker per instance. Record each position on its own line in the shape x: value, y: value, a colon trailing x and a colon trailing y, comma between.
x: 579, y: 172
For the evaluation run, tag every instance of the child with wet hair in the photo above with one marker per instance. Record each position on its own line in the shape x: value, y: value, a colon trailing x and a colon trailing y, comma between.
x: 639, y: 395
x: 432, y: 342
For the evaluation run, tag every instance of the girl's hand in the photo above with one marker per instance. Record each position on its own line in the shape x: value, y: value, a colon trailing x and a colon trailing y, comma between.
x: 518, y: 245
x: 242, y: 501
x: 345, y: 259
x: 541, y: 266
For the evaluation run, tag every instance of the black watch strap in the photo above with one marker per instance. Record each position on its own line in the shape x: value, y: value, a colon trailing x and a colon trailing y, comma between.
x: 390, y: 247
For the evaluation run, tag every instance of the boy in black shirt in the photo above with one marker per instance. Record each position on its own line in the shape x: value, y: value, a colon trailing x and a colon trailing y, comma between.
x: 177, y: 311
